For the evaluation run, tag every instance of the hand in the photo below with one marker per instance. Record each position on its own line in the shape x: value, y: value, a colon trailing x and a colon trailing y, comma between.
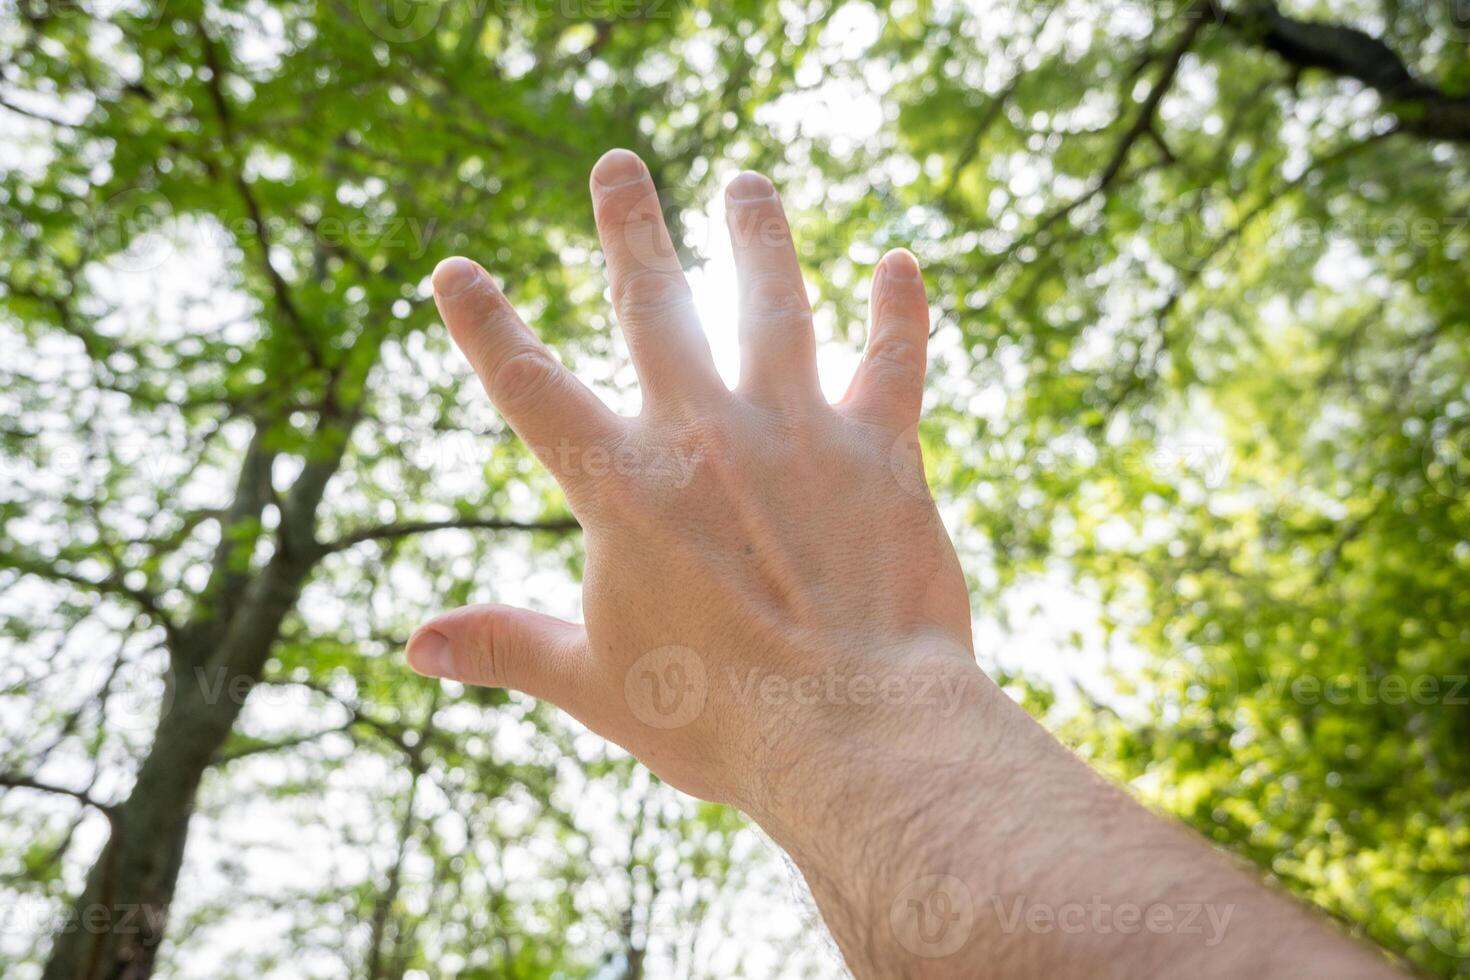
x: 776, y: 619
x: 768, y: 586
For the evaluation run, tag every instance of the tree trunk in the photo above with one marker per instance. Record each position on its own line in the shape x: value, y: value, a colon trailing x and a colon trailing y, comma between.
x: 114, y: 929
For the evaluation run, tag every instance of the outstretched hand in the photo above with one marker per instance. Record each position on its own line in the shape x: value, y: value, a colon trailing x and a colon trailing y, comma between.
x: 768, y: 585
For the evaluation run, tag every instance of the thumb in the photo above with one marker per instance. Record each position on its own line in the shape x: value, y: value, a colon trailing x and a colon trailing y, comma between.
x: 501, y: 646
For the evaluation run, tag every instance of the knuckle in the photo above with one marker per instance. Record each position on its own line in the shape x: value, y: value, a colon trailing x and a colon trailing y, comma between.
x: 490, y: 656
x: 896, y: 359
x: 703, y: 442
x: 895, y: 351
x: 523, y: 374
x: 895, y: 308
x: 772, y: 295
x: 649, y: 293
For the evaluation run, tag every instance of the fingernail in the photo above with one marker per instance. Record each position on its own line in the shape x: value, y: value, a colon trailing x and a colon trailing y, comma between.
x: 428, y: 654
x: 750, y: 186
x: 618, y: 168
x: 901, y: 264
x: 454, y: 276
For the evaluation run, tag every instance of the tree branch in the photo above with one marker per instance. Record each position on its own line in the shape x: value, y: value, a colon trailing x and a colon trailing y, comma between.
x: 389, y: 731
x: 246, y: 747
x: 17, y: 781
x: 32, y: 114
x: 1350, y: 53
x: 111, y: 585
x: 1142, y: 123
x: 279, y: 288
x: 386, y: 532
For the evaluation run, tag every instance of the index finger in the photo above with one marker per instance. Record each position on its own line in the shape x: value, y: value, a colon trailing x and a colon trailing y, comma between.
x: 553, y: 413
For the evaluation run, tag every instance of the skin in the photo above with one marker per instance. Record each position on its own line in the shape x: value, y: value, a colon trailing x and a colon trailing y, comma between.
x: 776, y: 619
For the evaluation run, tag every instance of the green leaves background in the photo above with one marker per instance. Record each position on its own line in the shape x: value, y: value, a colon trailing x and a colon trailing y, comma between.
x: 1200, y: 368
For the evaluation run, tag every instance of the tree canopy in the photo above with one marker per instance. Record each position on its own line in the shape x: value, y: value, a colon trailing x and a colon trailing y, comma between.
x: 1200, y: 395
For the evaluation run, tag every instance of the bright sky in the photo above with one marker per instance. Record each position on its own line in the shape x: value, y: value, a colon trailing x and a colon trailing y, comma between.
x: 718, y: 302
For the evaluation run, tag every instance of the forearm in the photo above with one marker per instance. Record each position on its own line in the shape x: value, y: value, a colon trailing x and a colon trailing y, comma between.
x: 1006, y: 856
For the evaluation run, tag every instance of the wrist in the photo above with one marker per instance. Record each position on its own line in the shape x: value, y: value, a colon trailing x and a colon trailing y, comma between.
x: 894, y: 815
x: 926, y: 737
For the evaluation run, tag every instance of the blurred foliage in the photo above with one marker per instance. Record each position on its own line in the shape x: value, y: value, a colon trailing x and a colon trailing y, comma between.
x: 1200, y: 378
